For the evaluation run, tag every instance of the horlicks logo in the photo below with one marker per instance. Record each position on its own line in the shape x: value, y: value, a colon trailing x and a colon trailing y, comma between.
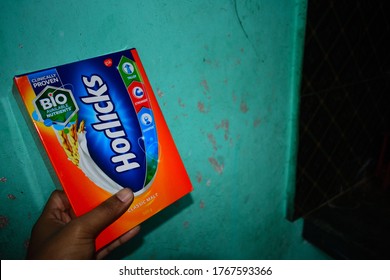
x: 109, y: 123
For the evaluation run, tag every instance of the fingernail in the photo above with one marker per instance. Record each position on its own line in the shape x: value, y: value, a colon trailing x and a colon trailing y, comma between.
x: 124, y: 195
x: 135, y: 229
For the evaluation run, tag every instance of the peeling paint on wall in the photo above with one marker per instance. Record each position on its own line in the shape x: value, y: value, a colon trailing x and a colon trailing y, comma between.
x: 201, y: 107
x: 256, y: 122
x: 199, y: 177
x: 3, y: 221
x: 225, y: 126
x: 160, y: 93
x: 205, y: 85
x: 181, y: 104
x: 218, y: 167
x: 212, y: 140
x: 244, y: 106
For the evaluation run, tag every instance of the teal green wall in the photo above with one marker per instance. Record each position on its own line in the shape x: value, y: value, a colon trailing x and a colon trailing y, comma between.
x: 226, y: 75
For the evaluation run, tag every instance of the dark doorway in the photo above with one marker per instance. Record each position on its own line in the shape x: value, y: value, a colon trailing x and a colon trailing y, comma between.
x: 343, y: 190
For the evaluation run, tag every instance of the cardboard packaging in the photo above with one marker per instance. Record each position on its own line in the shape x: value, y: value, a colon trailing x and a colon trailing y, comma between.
x: 102, y: 129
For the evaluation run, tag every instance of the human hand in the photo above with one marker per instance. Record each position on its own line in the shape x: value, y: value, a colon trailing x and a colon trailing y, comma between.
x: 59, y: 234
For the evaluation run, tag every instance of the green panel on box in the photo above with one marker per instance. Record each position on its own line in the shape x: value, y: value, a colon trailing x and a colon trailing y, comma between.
x: 226, y: 75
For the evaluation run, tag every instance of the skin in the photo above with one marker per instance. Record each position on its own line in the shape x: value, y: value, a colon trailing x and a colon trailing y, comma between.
x: 59, y: 234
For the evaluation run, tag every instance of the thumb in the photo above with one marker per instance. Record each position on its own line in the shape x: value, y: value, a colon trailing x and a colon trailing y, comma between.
x: 107, y: 212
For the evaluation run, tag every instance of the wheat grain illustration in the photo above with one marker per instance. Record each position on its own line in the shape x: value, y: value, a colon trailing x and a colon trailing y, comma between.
x: 69, y: 141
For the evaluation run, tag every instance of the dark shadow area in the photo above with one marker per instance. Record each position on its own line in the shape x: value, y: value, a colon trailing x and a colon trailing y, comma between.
x: 342, y: 188
x: 355, y: 225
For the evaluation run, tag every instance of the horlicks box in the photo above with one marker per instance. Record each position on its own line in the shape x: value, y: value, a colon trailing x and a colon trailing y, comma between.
x: 102, y: 129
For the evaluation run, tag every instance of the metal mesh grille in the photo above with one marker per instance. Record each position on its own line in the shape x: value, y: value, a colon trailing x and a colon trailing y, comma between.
x: 345, y: 97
